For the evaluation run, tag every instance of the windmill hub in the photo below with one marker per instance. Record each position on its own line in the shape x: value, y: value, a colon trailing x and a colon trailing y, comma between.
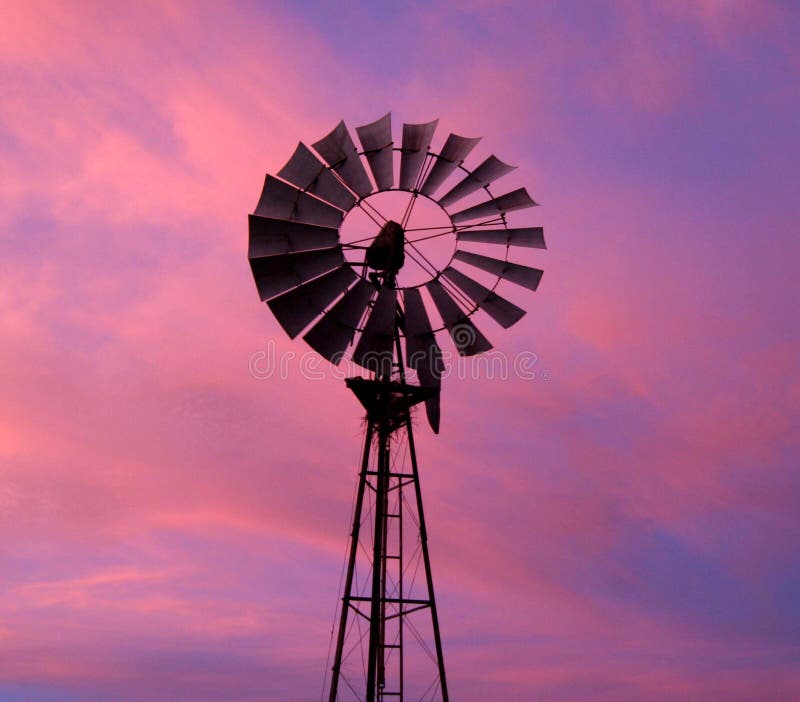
x: 362, y: 224
x: 387, y: 252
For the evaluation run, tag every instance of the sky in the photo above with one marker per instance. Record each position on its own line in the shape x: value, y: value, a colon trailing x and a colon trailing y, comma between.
x: 624, y: 526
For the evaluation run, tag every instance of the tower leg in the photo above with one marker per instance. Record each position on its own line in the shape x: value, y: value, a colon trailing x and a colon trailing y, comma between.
x: 375, y: 666
x: 423, y: 535
x: 351, y: 562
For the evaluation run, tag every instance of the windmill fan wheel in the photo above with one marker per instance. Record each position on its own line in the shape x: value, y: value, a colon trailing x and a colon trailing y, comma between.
x: 341, y: 293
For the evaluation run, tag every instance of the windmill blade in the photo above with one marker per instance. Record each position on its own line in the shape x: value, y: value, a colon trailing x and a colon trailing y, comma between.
x: 271, y: 237
x: 330, y: 336
x: 416, y: 140
x: 515, y: 200
x: 283, y: 201
x: 338, y: 149
x: 503, y: 312
x: 422, y: 352
x: 489, y: 171
x: 295, y: 309
x: 277, y: 274
x: 465, y: 335
x: 308, y: 173
x: 432, y: 379
x: 455, y: 150
x: 417, y: 326
x: 529, y: 237
x: 521, y: 275
x: 376, y: 140
x: 432, y: 404
x: 375, y: 348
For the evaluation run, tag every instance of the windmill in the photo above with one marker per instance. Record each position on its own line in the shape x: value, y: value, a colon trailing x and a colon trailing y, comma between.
x: 377, y: 293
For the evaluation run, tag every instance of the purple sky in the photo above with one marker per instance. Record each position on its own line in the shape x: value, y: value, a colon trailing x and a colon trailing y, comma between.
x: 623, y: 527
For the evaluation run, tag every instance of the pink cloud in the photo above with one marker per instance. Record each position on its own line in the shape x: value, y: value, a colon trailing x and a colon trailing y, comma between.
x: 166, y: 513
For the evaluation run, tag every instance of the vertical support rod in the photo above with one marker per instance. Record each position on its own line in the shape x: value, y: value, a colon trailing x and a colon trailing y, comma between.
x: 423, y: 535
x: 423, y: 532
x: 376, y: 648
x: 351, y: 563
x: 384, y: 562
x: 401, y: 592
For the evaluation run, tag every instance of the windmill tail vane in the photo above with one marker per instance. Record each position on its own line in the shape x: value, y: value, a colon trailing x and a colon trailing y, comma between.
x: 357, y: 294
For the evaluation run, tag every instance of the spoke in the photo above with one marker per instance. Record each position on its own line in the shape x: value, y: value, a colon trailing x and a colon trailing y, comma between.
x: 378, y: 213
x: 425, y: 229
x: 446, y: 283
x: 363, y: 205
x: 409, y: 208
x: 492, y: 220
x: 433, y: 272
x: 364, y: 210
x: 366, y: 203
x: 458, y: 227
x: 422, y: 255
x: 359, y: 241
x: 430, y: 236
x: 450, y: 228
x: 426, y: 167
x: 423, y: 172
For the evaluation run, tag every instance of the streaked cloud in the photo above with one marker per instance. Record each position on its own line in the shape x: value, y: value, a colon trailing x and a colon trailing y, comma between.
x: 623, y: 527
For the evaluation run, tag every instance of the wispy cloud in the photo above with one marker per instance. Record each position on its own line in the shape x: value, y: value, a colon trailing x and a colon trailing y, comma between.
x: 173, y: 528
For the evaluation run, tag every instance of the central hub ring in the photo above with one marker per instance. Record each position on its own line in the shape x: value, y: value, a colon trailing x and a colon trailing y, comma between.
x: 422, y: 247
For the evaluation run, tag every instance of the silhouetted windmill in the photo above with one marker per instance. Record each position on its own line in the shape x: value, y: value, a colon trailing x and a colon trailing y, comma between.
x: 342, y: 293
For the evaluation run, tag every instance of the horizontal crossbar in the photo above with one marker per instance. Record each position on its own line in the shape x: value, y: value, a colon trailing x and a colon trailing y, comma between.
x: 391, y: 600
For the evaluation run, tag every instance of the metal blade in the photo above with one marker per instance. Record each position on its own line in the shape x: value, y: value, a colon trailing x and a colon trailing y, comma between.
x: 515, y: 200
x: 465, y: 335
x: 490, y: 170
x: 338, y: 149
x: 503, y: 312
x: 283, y: 201
x: 433, y: 412
x: 422, y: 352
x: 296, y: 309
x: 416, y: 140
x: 455, y: 150
x: 376, y: 140
x: 521, y: 275
x: 307, y: 172
x: 417, y: 326
x: 271, y: 237
x: 330, y: 336
x: 375, y: 349
x: 277, y: 274
x: 529, y: 237
x: 428, y: 361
